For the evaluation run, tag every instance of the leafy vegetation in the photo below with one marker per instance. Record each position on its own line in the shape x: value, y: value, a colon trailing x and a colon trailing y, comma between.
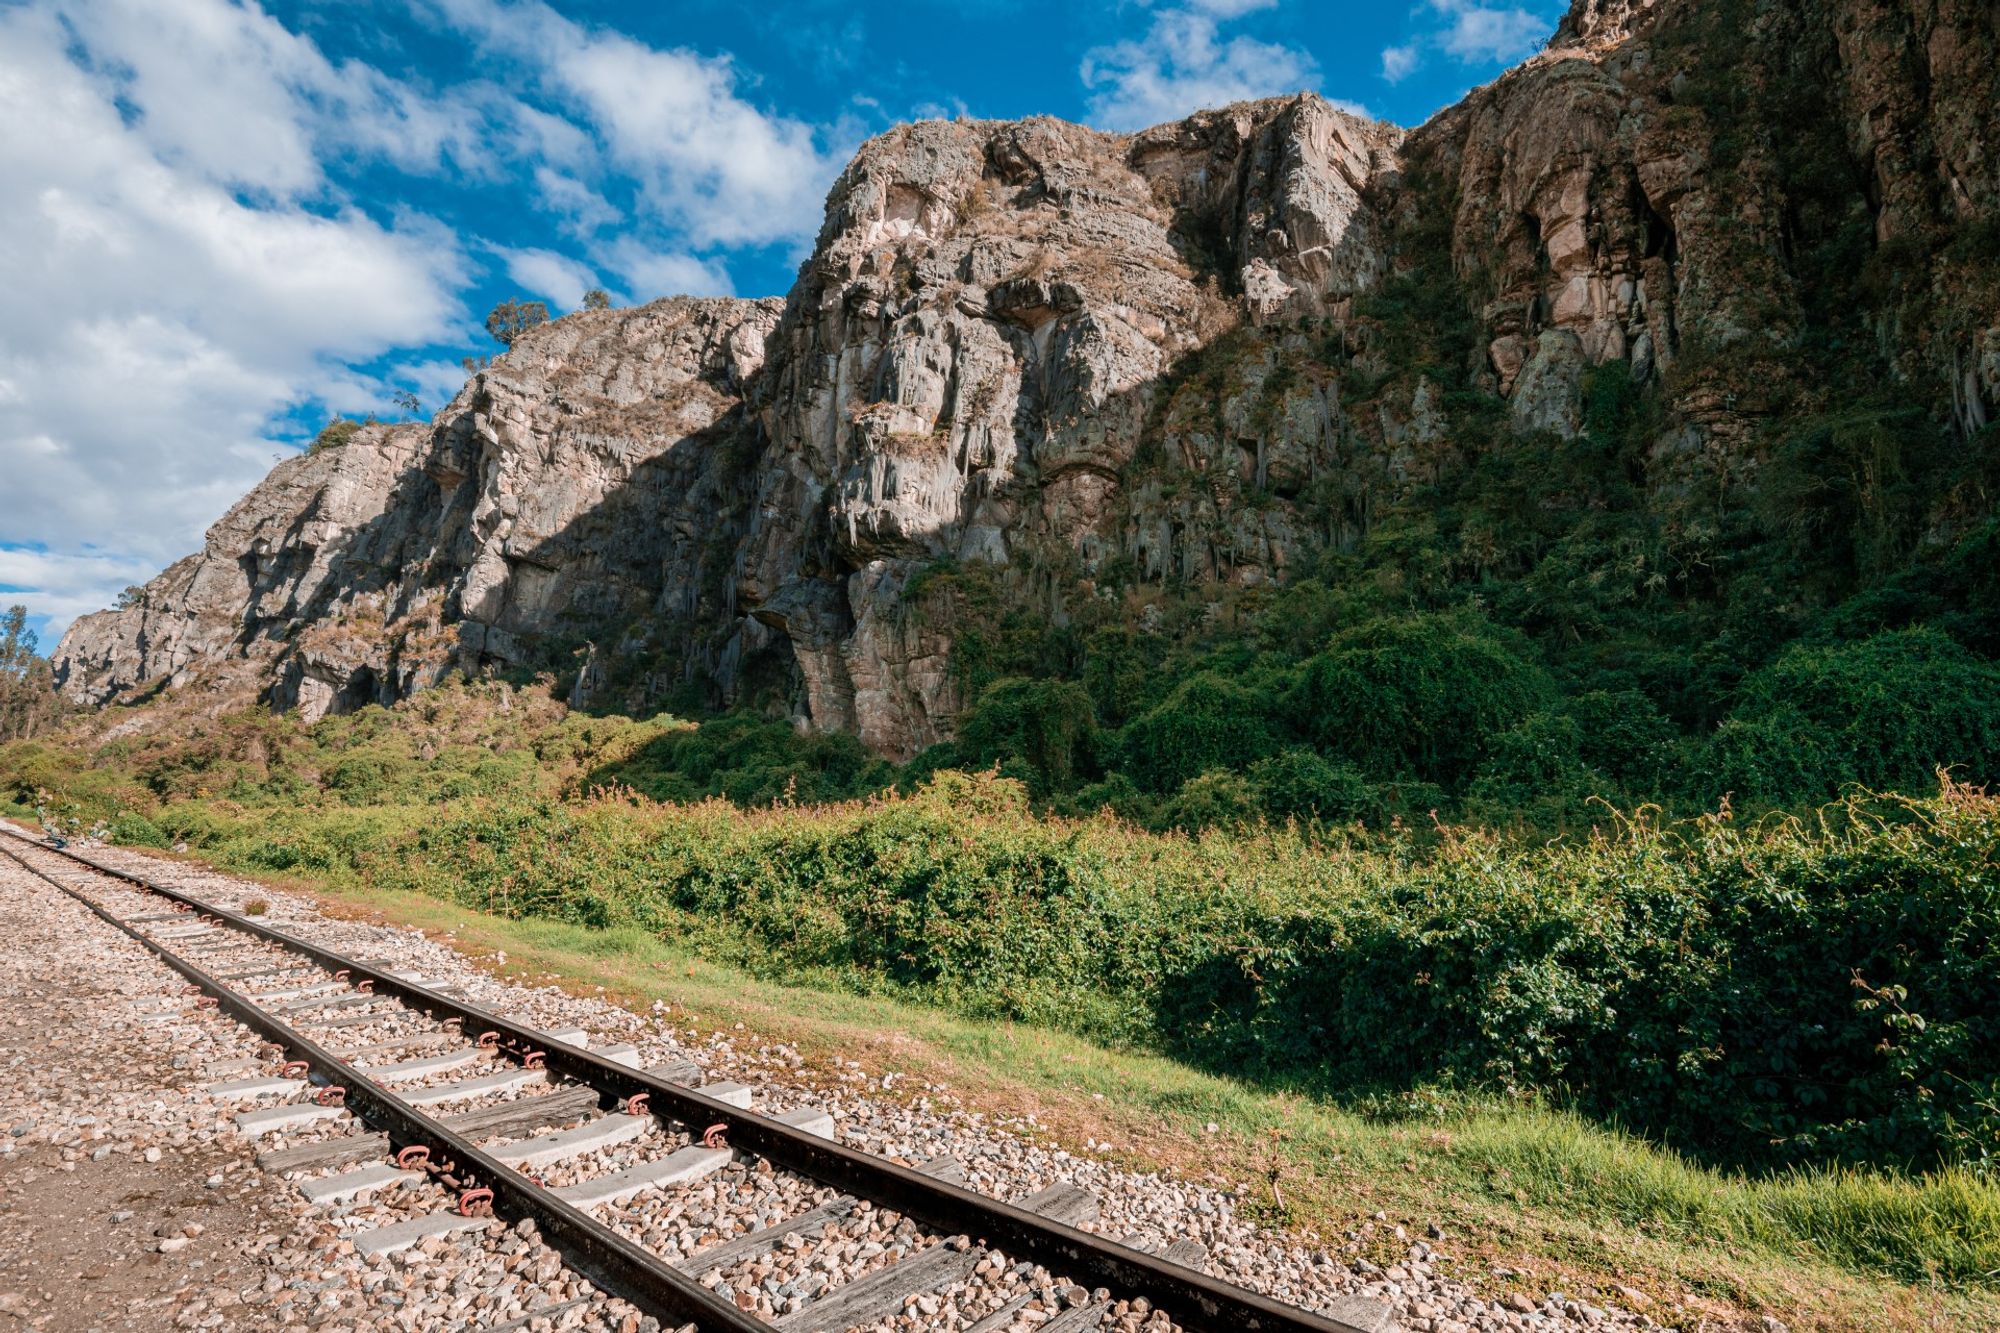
x: 336, y: 433
x: 1784, y: 991
x: 510, y: 319
x: 28, y: 700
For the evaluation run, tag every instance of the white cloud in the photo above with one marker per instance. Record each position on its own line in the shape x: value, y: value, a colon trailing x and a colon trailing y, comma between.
x: 1480, y: 34
x: 1230, y: 9
x: 650, y: 274
x: 224, y: 91
x: 545, y: 273
x: 712, y: 166
x: 171, y: 295
x: 1399, y: 62
x: 434, y: 382
x: 581, y: 209
x: 1470, y: 33
x: 1183, y: 64
x: 65, y: 586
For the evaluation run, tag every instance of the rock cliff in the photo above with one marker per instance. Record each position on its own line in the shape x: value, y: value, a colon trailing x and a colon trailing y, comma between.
x: 1092, y: 364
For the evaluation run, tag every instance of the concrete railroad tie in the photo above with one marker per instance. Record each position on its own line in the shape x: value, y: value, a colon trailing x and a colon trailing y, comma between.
x: 505, y: 1081
x: 604, y: 1132
x: 684, y: 1167
x: 354, y: 1183
x: 405, y: 1071
x: 399, y: 1236
x: 250, y: 1089
x: 270, y: 1119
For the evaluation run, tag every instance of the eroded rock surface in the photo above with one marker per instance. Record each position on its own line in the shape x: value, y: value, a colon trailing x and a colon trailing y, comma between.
x: 1094, y: 361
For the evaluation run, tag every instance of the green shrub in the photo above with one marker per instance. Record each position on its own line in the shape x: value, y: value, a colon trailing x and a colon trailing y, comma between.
x: 1117, y: 794
x: 1217, y: 799
x: 1050, y: 726
x: 1122, y: 671
x: 1423, y: 695
x: 1296, y: 783
x: 1885, y: 712
x: 336, y: 433
x: 748, y: 760
x: 129, y: 830
x: 1536, y: 769
x: 1623, y: 735
x: 1782, y: 993
x: 1207, y: 723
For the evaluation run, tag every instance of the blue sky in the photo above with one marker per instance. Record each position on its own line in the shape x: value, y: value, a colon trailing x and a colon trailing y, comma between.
x: 221, y: 223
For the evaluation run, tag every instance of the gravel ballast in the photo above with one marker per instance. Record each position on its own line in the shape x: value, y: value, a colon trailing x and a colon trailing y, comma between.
x: 301, y: 1266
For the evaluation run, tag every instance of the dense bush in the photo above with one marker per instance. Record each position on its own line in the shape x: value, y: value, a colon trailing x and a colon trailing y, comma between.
x: 1298, y: 784
x: 1424, y: 694
x: 1885, y: 712
x: 1046, y: 728
x: 131, y: 830
x: 1207, y: 723
x: 1786, y: 992
x: 1535, y: 771
x: 748, y: 760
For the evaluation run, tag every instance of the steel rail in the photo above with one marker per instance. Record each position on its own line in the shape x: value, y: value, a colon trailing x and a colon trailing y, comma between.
x: 616, y: 1265
x: 1199, y: 1303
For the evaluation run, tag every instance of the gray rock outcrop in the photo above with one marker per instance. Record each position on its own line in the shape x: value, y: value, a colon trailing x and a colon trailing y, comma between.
x: 1090, y: 363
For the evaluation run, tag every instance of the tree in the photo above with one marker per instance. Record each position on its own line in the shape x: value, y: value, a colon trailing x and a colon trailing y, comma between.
x: 28, y: 699
x: 1049, y: 726
x: 407, y: 403
x: 134, y: 595
x: 597, y: 299
x: 511, y: 319
x: 1207, y: 723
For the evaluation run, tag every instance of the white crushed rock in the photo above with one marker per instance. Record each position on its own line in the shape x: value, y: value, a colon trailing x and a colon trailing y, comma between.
x: 94, y: 1100
x: 1002, y: 1157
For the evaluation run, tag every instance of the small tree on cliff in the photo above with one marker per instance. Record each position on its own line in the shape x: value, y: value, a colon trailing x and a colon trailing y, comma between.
x: 28, y: 700
x: 511, y: 319
x: 597, y: 299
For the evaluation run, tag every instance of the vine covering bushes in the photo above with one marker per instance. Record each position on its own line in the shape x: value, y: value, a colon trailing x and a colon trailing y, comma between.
x: 1789, y: 991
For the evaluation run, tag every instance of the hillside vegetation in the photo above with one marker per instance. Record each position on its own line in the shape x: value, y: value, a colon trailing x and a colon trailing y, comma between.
x: 1771, y: 1034
x: 1812, y: 989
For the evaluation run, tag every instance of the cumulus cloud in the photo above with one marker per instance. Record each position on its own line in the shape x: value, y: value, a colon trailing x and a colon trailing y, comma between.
x: 57, y: 588
x: 560, y: 279
x: 173, y: 296
x: 650, y: 273
x: 226, y: 92
x: 1480, y: 34
x: 1471, y: 34
x: 181, y: 224
x: 710, y: 164
x: 1184, y: 64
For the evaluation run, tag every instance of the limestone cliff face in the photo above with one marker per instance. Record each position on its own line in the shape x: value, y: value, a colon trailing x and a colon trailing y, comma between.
x: 1095, y: 362
x: 578, y: 486
x: 966, y: 367
x: 265, y: 562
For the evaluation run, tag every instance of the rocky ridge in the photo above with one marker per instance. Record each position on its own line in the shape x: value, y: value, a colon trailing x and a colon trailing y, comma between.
x: 1096, y: 363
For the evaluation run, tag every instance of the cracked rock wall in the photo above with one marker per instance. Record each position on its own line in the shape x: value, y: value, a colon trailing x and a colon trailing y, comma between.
x: 984, y: 362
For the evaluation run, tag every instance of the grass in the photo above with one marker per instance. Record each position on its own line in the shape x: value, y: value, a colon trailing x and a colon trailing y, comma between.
x: 1531, y: 1199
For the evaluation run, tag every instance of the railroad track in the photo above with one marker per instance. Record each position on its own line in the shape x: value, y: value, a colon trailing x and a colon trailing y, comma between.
x: 383, y: 1115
